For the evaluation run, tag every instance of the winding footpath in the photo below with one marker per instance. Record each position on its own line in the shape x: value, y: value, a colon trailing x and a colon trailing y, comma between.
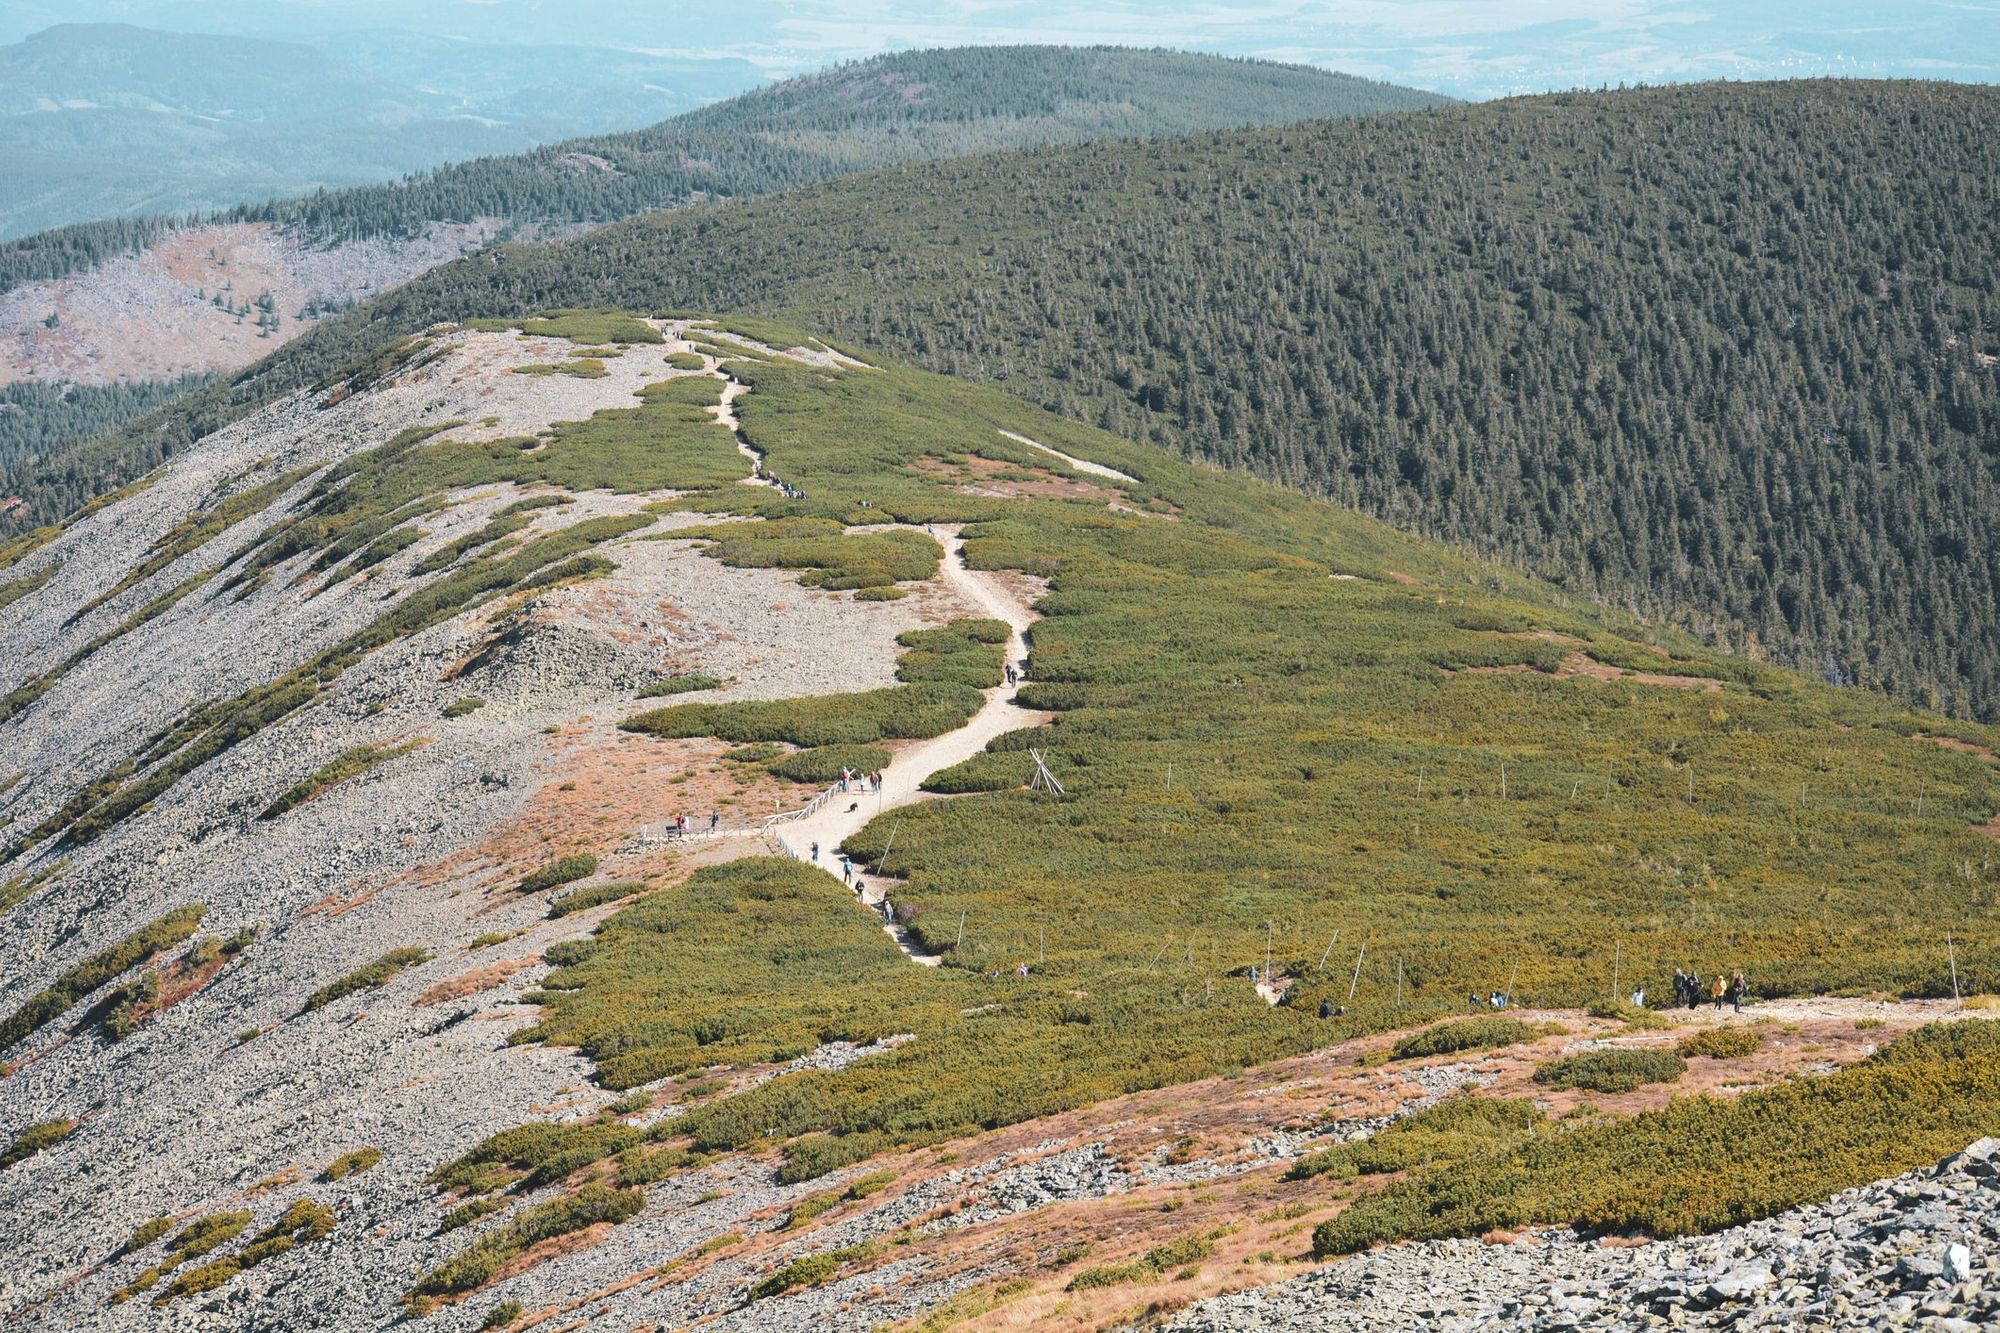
x: 818, y: 837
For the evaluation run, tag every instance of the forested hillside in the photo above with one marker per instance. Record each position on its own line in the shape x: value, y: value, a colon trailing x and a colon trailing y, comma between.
x: 894, y: 108
x: 1724, y: 354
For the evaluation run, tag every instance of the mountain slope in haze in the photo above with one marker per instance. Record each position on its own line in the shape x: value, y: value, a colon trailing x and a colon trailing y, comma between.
x: 104, y: 120
x: 1725, y: 355
x: 214, y: 297
x: 333, y: 748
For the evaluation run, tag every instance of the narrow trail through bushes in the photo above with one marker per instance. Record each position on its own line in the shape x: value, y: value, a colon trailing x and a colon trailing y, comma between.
x: 817, y: 838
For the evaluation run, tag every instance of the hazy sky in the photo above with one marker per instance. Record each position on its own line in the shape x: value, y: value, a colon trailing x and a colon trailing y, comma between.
x: 1471, y: 48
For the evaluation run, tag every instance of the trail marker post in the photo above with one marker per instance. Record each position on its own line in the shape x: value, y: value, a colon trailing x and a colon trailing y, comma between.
x: 1356, y: 981
x: 1329, y: 949
x: 1951, y: 952
x: 1043, y: 780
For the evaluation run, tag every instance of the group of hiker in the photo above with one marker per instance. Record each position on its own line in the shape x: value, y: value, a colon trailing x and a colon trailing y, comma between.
x: 853, y: 781
x: 789, y: 491
x: 684, y: 825
x: 1689, y: 990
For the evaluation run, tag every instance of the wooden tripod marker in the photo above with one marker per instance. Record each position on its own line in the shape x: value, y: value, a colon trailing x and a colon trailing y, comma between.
x: 1356, y: 981
x: 1042, y: 779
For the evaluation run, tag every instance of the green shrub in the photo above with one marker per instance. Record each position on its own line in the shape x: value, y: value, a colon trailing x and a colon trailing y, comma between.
x: 1703, y: 1163
x: 685, y: 361
x: 579, y: 326
x: 823, y: 765
x: 503, y: 1314
x: 1464, y: 1034
x: 810, y: 1207
x: 1611, y: 1070
x: 871, y: 1184
x: 375, y: 975
x: 1722, y: 1043
x: 586, y: 1208
x: 159, y: 934
x: 1172, y: 1256
x: 831, y: 557
x: 462, y: 707
x: 351, y: 1164
x: 1457, y: 1129
x: 352, y: 764
x: 685, y: 684
x: 761, y: 753
x: 147, y: 1232
x: 33, y: 1139
x: 1639, y: 1020
x: 884, y: 592
x: 573, y: 867
x: 810, y: 1271
x: 593, y: 895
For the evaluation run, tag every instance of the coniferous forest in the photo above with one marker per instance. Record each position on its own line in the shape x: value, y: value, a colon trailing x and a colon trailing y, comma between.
x: 1722, y: 354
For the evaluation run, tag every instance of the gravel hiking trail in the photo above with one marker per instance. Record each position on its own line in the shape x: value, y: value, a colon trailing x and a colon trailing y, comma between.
x: 1080, y: 464
x: 842, y: 814
x: 845, y: 813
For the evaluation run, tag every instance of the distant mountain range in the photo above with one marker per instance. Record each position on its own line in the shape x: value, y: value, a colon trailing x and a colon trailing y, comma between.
x: 114, y: 302
x: 106, y: 120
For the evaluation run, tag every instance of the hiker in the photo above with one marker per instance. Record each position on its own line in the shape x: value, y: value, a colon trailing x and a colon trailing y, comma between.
x: 1694, y: 989
x: 1326, y: 1007
x: 1737, y: 985
x: 847, y: 869
x: 681, y: 824
x: 714, y: 820
x: 815, y: 853
x: 1021, y: 971
x: 1680, y: 988
x: 1472, y: 1001
x: 1719, y: 989
x: 1639, y: 998
x: 1010, y: 673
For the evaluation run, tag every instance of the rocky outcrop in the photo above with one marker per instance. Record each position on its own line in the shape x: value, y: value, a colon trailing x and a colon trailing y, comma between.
x: 1913, y: 1252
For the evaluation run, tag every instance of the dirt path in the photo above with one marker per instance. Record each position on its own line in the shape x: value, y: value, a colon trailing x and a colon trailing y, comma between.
x: 1080, y: 464
x: 846, y: 814
x: 817, y: 837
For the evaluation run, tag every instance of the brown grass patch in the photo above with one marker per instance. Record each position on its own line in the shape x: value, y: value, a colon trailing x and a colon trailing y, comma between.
x: 477, y: 980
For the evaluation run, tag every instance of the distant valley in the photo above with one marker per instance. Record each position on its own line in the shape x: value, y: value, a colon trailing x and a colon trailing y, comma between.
x: 109, y: 120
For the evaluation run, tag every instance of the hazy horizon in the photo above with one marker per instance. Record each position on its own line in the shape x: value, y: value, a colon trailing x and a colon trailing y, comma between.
x: 1466, y: 48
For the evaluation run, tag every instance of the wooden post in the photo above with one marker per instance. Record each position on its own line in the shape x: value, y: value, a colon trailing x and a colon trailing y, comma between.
x: 1399, y: 981
x: 1510, y: 982
x: 1324, y: 952
x: 1920, y: 798
x: 883, y: 861
x: 1951, y: 952
x: 1420, y: 780
x: 1617, y: 949
x: 1357, y: 969
x: 1268, y: 928
x: 961, y: 934
x: 1170, y: 774
x: 1690, y: 782
x: 1503, y: 779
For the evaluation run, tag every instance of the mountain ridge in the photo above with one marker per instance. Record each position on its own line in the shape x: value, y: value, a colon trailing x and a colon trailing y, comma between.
x: 1629, y: 340
x: 347, y: 739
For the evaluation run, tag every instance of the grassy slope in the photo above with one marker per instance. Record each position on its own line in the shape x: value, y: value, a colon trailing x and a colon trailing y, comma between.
x: 1334, y: 766
x: 1299, y: 711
